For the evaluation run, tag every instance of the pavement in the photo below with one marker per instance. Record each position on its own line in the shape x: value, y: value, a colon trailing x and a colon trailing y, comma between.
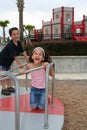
x: 71, y: 76
x: 64, y: 76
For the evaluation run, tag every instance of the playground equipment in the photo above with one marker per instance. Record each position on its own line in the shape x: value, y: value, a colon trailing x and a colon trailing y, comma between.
x: 80, y: 38
x: 26, y: 119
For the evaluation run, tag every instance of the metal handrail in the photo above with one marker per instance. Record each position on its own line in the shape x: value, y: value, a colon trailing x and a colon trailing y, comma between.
x: 17, y: 99
x: 16, y: 68
x: 46, y: 125
x: 52, y: 101
x: 33, y: 69
x: 6, y: 77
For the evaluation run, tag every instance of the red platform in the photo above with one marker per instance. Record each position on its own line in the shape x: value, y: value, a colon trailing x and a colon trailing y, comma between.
x: 30, y: 119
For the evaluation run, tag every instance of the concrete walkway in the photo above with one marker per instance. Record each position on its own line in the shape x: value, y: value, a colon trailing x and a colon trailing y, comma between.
x: 64, y: 76
x: 73, y: 76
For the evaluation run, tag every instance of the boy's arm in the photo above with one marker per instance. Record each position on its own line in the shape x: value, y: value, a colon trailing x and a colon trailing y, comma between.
x: 18, y: 62
x: 25, y: 56
x: 22, y: 70
x: 28, y: 66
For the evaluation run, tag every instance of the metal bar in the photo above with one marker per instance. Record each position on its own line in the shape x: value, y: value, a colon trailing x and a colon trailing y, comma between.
x: 6, y: 77
x: 33, y: 69
x: 16, y: 68
x: 53, y: 81
x: 26, y: 72
x: 46, y: 125
x: 46, y: 101
x: 52, y: 101
x: 17, y: 99
x: 26, y: 81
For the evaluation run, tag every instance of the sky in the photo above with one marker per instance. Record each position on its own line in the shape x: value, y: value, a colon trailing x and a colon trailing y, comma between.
x: 37, y: 10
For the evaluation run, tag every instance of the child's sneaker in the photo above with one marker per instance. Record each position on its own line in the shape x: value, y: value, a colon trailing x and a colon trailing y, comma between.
x: 11, y: 89
x: 5, y: 92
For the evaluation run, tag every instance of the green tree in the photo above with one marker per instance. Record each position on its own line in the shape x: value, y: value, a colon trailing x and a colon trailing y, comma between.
x: 4, y: 24
x: 28, y: 28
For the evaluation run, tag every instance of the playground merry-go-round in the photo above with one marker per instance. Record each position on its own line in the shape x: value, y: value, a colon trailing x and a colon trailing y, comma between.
x: 15, y: 111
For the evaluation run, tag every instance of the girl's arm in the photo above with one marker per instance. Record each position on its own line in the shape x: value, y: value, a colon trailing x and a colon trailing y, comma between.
x: 51, y: 72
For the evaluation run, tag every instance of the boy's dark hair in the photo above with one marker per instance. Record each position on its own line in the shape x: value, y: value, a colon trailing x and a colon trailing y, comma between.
x: 12, y: 29
x: 47, y: 58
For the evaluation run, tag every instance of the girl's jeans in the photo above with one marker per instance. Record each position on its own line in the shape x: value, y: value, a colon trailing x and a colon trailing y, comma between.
x: 37, y: 98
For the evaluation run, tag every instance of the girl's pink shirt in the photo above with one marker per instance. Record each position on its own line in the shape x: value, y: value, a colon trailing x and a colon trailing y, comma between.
x: 38, y: 78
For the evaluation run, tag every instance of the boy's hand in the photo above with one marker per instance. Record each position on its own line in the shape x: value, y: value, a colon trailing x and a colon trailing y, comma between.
x: 22, y: 70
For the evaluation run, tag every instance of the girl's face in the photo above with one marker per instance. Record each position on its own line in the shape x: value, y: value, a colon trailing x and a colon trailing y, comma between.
x: 15, y: 35
x: 38, y: 56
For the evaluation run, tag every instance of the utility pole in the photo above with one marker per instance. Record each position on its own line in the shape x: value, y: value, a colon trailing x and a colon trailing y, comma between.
x: 20, y: 5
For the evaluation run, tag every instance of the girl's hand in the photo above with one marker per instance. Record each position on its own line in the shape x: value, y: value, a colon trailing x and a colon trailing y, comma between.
x: 45, y: 64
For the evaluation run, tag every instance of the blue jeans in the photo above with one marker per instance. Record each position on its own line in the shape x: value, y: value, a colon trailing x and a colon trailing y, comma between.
x: 37, y: 98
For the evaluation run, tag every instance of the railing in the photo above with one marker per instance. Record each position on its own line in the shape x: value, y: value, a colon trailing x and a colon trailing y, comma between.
x: 17, y: 112
x: 46, y: 125
x: 17, y: 107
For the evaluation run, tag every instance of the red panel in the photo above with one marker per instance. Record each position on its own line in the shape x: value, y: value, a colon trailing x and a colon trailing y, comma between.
x: 8, y: 104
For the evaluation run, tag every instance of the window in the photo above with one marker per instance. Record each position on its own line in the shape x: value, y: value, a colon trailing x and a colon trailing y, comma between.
x: 57, y: 16
x: 68, y: 17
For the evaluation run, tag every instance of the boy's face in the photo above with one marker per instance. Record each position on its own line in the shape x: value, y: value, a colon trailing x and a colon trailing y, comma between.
x: 15, y: 35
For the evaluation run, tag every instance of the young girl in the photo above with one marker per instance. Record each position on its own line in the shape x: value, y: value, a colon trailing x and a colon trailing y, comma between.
x: 38, y: 57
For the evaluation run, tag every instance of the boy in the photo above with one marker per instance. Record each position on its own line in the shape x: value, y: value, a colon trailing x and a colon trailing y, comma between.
x: 8, y: 54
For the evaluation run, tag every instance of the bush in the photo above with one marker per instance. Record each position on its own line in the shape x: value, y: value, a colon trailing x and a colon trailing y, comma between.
x: 62, y: 48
